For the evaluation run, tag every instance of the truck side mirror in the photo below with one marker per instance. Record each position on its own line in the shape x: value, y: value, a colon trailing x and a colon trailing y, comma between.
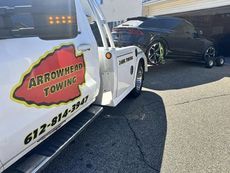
x: 54, y: 19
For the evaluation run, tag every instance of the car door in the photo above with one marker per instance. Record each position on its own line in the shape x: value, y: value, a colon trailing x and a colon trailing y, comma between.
x: 182, y: 41
x: 49, y: 71
x: 193, y: 44
x: 175, y: 35
x: 176, y: 40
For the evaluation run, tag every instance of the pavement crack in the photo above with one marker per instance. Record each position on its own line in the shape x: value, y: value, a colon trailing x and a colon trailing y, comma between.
x: 195, y: 100
x: 138, y: 144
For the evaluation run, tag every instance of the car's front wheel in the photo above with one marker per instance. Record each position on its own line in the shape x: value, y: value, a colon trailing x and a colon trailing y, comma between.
x: 156, y: 53
x: 210, y: 56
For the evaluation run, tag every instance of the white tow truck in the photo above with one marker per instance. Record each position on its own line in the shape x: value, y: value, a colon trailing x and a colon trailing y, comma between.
x: 54, y: 77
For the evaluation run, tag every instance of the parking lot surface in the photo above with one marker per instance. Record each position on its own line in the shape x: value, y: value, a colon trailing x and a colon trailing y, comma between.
x: 180, y: 124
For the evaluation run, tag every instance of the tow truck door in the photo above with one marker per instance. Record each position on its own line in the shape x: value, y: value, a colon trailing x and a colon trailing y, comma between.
x: 126, y: 69
x: 49, y: 71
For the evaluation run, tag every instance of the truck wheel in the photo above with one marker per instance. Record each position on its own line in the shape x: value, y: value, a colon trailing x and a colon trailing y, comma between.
x: 139, y: 81
x: 209, y: 57
x: 220, y: 61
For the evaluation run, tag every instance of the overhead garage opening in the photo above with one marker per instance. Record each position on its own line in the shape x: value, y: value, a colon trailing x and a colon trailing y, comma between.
x: 212, y: 17
x: 215, y: 24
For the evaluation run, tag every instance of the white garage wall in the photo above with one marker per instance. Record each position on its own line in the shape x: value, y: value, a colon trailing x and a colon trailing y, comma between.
x: 161, y: 7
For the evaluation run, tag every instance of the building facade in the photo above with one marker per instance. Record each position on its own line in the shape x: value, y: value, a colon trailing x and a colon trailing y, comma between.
x: 163, y: 7
x: 117, y: 11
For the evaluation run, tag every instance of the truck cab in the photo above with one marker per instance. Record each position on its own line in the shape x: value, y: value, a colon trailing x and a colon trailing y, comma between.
x: 52, y: 69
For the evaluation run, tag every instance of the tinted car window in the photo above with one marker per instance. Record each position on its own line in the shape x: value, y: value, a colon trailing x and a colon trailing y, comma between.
x: 188, y: 28
x: 160, y: 23
x: 46, y: 19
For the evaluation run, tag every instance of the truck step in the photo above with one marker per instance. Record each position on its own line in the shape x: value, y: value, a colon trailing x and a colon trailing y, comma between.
x: 38, y: 158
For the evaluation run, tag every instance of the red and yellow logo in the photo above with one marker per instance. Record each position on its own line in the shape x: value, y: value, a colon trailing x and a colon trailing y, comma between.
x: 53, y: 80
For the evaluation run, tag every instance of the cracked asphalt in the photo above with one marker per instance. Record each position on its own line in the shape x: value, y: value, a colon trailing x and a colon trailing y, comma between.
x: 180, y: 124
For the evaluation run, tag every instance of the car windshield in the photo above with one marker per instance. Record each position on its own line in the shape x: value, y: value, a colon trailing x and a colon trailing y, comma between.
x: 25, y: 18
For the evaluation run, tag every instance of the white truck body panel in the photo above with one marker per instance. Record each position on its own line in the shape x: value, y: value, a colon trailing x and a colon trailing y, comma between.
x: 26, y: 123
x: 118, y: 69
x: 18, y: 120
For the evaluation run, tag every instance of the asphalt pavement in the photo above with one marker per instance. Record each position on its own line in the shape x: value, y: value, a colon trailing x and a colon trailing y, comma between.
x: 180, y: 124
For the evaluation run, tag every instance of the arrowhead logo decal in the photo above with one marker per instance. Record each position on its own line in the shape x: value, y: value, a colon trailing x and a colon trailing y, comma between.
x: 53, y: 80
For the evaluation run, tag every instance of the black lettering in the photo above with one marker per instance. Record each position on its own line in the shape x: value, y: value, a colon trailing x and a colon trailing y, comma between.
x: 76, y: 67
x: 65, y: 84
x: 39, y: 80
x: 60, y: 73
x: 74, y: 79
x: 67, y: 70
x: 72, y: 69
x: 53, y: 75
x: 42, y: 129
x: 32, y: 83
x: 80, y: 66
x: 69, y: 82
x: 122, y: 61
x: 65, y: 113
x: 59, y: 86
x: 47, y: 77
x: 54, y: 121
x: 46, y: 91
x: 52, y: 89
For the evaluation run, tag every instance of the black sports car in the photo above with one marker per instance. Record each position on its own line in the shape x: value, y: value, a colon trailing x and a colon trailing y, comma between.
x: 169, y: 37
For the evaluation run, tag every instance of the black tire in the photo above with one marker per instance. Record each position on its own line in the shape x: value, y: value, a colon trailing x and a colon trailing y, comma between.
x: 154, y: 52
x: 210, y: 57
x: 139, y: 81
x: 220, y: 61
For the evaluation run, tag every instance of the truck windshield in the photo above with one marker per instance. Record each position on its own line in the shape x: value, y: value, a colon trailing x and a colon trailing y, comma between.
x: 32, y: 18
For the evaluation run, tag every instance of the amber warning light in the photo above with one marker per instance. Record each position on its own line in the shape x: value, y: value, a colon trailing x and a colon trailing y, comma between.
x: 60, y: 20
x: 108, y: 55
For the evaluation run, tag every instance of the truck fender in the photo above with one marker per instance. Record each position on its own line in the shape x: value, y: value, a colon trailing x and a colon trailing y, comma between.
x: 141, y: 57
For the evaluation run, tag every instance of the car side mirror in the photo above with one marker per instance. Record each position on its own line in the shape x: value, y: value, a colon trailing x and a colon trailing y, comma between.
x: 200, y: 32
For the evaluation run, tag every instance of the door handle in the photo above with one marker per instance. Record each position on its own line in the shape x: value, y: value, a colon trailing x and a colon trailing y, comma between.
x: 84, y: 47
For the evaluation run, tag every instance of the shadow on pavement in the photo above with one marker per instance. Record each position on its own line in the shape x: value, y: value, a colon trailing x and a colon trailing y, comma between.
x: 128, y: 138
x: 178, y: 75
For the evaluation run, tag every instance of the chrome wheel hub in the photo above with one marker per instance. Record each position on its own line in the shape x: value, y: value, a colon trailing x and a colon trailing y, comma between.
x: 210, y: 53
x: 154, y: 53
x: 221, y: 61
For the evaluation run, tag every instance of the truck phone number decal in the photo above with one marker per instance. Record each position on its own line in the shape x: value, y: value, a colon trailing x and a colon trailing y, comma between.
x: 59, y: 119
x: 53, y: 80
